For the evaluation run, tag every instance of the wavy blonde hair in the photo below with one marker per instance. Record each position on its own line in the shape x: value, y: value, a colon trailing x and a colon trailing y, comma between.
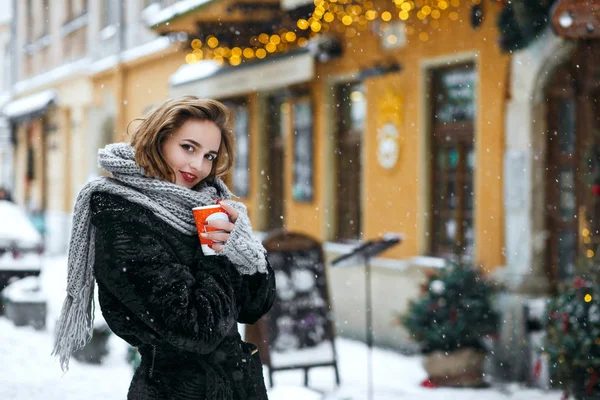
x: 160, y: 122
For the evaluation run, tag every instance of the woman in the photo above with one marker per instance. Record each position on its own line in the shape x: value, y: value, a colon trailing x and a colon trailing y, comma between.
x: 134, y: 234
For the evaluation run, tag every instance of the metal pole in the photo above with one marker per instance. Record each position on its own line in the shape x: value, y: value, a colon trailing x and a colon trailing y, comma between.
x: 369, y: 315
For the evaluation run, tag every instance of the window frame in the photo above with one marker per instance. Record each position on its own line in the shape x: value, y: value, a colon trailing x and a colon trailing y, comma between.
x: 459, y: 135
x: 307, y: 159
x: 233, y: 105
x: 349, y: 176
x: 275, y: 165
x: 109, y: 10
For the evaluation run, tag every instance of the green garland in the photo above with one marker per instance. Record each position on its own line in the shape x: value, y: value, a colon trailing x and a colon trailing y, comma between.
x: 521, y: 21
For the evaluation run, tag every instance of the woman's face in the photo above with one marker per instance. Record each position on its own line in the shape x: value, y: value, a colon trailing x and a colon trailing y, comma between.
x: 191, y: 151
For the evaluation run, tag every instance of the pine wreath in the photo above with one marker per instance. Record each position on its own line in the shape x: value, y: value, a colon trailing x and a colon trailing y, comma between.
x: 521, y: 22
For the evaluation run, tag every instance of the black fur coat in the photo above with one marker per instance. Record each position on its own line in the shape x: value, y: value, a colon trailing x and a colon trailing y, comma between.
x: 159, y: 293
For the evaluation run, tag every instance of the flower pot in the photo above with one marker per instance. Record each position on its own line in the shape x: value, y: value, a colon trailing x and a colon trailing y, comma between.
x: 581, y: 395
x: 460, y: 368
x: 23, y: 313
x: 96, y: 349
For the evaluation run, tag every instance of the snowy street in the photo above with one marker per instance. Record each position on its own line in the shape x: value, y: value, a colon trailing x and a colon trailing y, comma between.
x: 28, y: 372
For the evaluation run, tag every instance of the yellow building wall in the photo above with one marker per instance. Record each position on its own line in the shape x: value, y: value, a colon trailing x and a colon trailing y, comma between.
x: 397, y: 200
x: 136, y: 88
x: 147, y: 84
x: 307, y: 217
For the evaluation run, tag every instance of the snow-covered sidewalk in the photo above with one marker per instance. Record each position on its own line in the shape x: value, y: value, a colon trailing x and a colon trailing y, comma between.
x: 28, y: 372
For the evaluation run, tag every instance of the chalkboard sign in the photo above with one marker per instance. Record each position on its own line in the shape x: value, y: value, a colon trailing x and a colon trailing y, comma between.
x: 300, y: 326
x: 303, y: 150
x: 455, y: 94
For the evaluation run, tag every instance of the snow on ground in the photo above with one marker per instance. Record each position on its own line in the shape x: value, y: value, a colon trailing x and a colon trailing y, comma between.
x: 29, y: 372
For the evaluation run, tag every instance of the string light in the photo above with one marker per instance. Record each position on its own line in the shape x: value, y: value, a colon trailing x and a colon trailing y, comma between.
x: 344, y: 16
x: 587, y: 298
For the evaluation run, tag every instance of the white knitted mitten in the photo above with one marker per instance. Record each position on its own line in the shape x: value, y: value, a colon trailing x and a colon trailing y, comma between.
x: 243, y: 249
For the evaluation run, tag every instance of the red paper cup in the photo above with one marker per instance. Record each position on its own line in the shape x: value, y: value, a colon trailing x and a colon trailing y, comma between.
x: 208, y: 213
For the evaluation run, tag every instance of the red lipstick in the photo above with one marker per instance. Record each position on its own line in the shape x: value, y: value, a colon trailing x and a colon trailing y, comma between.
x: 189, y: 178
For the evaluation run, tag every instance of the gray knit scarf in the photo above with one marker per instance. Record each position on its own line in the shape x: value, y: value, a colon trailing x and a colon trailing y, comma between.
x: 169, y: 202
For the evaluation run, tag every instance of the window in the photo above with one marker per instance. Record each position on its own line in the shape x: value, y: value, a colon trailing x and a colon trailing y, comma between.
x: 69, y: 10
x: 109, y: 13
x: 6, y: 68
x: 241, y: 128
x: 303, y: 148
x: 45, y: 18
x: 351, y: 106
x: 29, y: 24
x: 146, y: 3
x: 37, y: 22
x: 75, y: 8
x: 277, y: 120
x: 453, y: 159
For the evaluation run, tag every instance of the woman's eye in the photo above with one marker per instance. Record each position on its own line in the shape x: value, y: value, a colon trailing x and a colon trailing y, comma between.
x: 187, y: 148
x: 210, y: 157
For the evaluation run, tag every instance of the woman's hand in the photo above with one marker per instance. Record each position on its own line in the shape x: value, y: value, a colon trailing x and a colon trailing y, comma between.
x: 224, y: 226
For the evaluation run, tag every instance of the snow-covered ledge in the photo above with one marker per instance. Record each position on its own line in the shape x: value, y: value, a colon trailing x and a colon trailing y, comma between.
x: 524, y: 162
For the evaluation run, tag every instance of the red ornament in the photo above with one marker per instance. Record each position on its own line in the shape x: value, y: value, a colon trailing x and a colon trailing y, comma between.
x: 579, y: 283
x: 453, y: 315
x: 537, y: 368
x: 591, y: 384
x: 555, y: 315
x: 428, y: 384
x: 565, y: 323
x: 596, y: 190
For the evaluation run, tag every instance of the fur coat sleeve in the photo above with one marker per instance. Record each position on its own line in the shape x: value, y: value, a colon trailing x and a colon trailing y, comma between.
x: 166, y: 291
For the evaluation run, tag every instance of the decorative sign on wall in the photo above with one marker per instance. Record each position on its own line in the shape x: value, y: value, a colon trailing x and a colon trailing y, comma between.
x: 393, y: 35
x: 303, y: 150
x: 388, y: 137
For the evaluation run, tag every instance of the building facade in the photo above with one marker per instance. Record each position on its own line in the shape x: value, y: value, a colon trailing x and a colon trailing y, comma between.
x: 358, y: 134
x: 74, y: 62
x: 422, y: 126
x: 6, y: 154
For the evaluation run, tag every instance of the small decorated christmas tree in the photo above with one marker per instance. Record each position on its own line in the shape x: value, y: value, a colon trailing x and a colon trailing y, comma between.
x: 454, y: 311
x: 572, y: 342
x: 450, y: 321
